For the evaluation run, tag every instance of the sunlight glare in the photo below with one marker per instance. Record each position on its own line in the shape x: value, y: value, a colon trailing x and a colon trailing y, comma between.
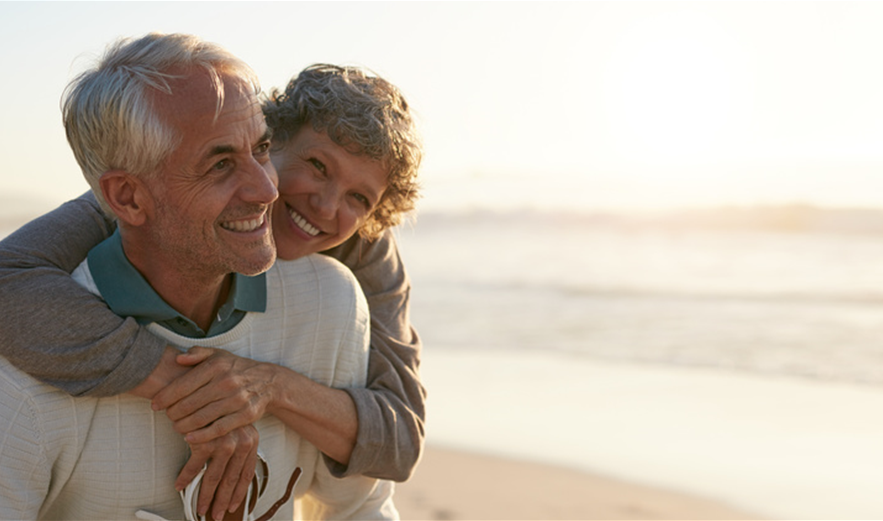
x: 675, y: 87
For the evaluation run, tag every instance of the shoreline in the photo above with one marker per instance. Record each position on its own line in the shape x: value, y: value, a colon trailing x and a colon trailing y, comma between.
x: 453, y: 484
x: 777, y: 447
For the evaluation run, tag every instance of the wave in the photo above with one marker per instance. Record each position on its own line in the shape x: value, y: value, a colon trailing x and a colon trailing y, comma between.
x: 600, y: 292
x: 789, y: 218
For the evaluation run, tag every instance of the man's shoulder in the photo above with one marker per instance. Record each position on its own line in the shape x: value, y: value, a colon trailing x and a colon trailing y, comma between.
x: 25, y: 393
x: 314, y: 277
x: 314, y: 267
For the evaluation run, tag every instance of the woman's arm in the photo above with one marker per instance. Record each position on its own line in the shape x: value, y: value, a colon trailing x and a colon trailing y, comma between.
x: 55, y: 330
x: 391, y: 408
x: 375, y: 431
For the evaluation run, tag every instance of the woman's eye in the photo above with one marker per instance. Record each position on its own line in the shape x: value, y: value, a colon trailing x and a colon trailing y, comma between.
x: 320, y: 166
x: 362, y: 200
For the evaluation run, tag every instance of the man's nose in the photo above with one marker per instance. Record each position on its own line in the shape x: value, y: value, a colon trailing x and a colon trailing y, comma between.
x: 260, y: 183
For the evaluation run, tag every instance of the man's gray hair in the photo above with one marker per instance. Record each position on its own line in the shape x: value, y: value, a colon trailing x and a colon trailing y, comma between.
x: 362, y: 113
x: 108, y: 111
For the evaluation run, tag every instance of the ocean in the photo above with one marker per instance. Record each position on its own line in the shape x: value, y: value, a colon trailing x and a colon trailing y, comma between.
x: 737, y: 362
x: 801, y: 303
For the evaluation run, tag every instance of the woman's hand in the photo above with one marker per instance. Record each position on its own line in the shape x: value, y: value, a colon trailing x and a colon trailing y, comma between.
x: 223, y: 392
x: 220, y: 393
x: 214, y: 404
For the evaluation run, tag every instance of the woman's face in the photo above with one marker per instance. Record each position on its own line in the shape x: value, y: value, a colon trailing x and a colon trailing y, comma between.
x: 325, y: 193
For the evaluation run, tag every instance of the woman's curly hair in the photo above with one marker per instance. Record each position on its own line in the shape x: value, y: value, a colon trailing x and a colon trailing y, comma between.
x: 362, y: 113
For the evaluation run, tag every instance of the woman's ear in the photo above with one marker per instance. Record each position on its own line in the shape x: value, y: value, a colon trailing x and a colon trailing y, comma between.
x: 127, y: 196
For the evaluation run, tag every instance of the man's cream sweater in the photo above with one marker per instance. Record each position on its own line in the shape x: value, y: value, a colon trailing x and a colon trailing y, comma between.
x: 106, y: 458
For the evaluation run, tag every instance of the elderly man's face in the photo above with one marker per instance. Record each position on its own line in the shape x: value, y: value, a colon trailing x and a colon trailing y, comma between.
x: 325, y: 193
x: 214, y: 191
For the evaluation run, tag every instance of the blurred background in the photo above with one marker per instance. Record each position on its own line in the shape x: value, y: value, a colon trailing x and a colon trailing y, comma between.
x: 651, y: 240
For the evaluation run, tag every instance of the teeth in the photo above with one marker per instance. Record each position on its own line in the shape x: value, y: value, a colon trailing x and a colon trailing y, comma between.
x: 243, y: 226
x: 303, y: 224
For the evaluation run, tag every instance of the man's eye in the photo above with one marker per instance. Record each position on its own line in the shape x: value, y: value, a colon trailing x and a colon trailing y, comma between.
x: 221, y: 165
x: 262, y: 149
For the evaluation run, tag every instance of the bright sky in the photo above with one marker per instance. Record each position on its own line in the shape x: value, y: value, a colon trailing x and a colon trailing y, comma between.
x: 586, y: 104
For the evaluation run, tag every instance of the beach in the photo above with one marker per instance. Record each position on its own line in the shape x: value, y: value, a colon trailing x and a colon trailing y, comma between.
x: 451, y: 484
x: 570, y: 438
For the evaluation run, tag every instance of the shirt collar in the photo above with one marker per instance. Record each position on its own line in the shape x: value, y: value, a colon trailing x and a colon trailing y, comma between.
x: 128, y: 294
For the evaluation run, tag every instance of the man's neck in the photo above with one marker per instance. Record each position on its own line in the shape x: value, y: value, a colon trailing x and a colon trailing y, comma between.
x: 195, y: 295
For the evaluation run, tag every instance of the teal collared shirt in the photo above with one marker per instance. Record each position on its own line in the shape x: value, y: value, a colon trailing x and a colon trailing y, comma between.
x: 128, y: 294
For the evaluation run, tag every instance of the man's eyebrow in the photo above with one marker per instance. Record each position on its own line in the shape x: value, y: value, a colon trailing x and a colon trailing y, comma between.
x: 221, y: 149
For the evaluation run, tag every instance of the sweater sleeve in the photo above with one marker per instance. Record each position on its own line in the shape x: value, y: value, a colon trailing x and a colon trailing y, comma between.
x: 391, y: 408
x: 55, y: 330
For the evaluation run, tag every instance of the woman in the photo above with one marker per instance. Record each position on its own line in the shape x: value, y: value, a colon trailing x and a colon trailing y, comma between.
x: 347, y: 155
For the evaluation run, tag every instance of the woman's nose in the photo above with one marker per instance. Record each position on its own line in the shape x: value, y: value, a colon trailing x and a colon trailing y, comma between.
x: 327, y: 201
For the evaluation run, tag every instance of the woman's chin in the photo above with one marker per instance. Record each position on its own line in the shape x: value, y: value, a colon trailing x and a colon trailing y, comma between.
x: 293, y: 246
x: 291, y: 249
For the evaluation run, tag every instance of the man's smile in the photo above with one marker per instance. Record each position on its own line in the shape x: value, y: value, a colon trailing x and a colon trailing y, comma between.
x: 245, y: 225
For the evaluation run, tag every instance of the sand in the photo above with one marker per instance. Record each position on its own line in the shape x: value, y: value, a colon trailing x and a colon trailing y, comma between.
x: 451, y: 484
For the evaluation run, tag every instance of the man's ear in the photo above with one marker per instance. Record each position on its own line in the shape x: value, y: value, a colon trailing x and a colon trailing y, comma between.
x: 127, y: 196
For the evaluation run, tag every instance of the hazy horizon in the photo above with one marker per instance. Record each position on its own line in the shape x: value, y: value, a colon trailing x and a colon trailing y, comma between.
x: 579, y: 105
x: 779, y: 218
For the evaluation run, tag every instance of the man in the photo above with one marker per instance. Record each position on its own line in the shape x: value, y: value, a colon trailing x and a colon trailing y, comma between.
x: 171, y: 138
